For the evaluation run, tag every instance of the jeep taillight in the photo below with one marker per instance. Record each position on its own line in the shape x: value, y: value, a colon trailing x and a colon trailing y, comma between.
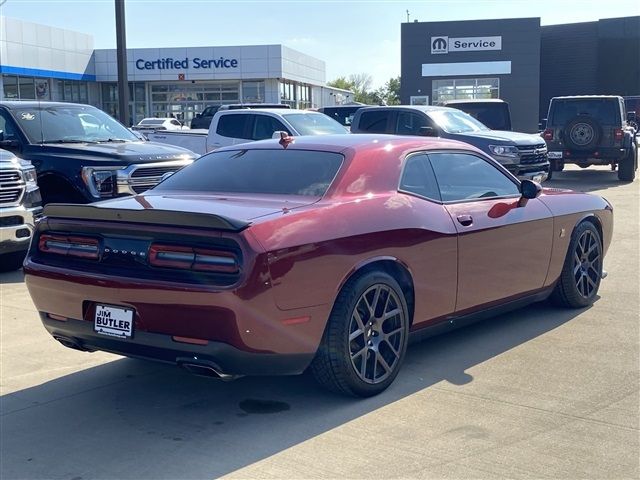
x: 193, y: 258
x: 70, y: 245
x: 618, y: 134
x: 548, y: 134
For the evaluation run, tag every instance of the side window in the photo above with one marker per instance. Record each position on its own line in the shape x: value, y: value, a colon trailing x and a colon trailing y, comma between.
x: 264, y: 126
x: 410, y: 123
x: 233, y: 126
x: 418, y: 177
x: 7, y: 127
x: 374, y: 121
x: 463, y: 176
x: 175, y: 122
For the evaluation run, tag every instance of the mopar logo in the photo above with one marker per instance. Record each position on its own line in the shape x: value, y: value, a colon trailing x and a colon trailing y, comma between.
x: 439, y: 45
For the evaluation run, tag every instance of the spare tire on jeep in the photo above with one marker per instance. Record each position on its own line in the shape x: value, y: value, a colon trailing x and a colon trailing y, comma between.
x: 582, y: 133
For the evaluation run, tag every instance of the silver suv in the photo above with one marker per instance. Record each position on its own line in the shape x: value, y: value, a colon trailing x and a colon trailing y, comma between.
x: 20, y: 207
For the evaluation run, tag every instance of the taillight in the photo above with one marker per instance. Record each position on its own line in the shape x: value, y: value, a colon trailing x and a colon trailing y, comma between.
x: 618, y: 134
x: 548, y: 134
x: 193, y: 258
x: 74, y: 246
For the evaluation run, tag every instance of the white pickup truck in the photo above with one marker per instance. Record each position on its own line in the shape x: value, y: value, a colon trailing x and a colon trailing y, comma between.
x: 231, y: 127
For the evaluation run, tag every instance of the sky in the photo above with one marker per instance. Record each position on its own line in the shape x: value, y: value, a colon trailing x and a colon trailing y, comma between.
x: 352, y: 37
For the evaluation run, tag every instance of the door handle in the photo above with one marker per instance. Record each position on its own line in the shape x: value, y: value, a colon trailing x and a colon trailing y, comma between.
x: 465, y: 220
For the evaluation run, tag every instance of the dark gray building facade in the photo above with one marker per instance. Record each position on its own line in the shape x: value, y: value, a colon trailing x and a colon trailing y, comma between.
x: 519, y: 61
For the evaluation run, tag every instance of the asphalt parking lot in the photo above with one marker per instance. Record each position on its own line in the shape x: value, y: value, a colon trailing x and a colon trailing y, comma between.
x: 537, y: 393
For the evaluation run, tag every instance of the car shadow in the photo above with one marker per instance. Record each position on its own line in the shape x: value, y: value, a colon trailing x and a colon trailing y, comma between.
x: 135, y: 419
x: 585, y: 180
x: 8, y: 278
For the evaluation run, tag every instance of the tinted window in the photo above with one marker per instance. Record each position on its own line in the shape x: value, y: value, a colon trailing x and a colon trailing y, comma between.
x: 152, y: 121
x: 282, y: 172
x: 7, y: 128
x: 374, y: 121
x: 462, y: 176
x: 175, y: 122
x: 493, y: 115
x: 418, y: 177
x: 410, y: 123
x: 342, y: 115
x: 264, y: 127
x: 210, y: 111
x: 313, y: 123
x: 233, y: 126
x: 603, y: 110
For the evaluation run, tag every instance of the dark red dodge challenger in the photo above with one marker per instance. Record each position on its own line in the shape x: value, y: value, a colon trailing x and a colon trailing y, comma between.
x: 323, y: 252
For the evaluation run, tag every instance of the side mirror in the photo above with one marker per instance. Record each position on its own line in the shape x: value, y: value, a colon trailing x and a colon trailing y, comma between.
x: 529, y: 190
x: 278, y: 134
x: 428, y: 132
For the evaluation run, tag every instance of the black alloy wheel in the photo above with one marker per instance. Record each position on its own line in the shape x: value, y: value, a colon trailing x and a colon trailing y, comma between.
x: 366, y: 336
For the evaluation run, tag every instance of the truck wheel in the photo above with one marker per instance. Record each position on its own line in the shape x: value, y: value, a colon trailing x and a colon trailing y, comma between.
x: 365, y: 339
x: 579, y: 280
x: 582, y: 133
x: 11, y: 261
x: 628, y: 165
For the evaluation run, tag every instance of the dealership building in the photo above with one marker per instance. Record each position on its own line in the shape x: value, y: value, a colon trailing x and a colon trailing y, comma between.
x: 46, y: 63
x: 519, y: 61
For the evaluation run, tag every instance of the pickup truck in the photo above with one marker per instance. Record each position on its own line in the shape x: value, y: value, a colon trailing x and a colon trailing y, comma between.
x: 203, y: 120
x: 81, y: 154
x: 492, y: 112
x: 231, y: 127
x: 523, y: 154
x: 19, y: 209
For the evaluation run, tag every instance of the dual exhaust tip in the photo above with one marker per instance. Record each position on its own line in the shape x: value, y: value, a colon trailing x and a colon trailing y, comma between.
x: 203, y: 368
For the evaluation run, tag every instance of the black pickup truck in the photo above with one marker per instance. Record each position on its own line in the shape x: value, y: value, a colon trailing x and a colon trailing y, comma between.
x: 83, y: 155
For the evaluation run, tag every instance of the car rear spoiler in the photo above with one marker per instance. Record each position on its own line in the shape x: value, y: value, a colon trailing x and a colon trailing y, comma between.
x: 147, y: 216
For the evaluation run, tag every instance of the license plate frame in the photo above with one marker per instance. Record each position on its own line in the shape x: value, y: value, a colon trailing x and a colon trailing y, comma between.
x: 113, y: 320
x: 554, y: 155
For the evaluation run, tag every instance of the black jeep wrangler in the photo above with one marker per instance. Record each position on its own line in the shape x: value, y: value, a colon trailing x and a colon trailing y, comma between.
x: 591, y: 130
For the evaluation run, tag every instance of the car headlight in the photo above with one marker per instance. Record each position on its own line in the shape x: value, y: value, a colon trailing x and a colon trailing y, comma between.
x: 100, y: 181
x: 504, y: 151
x: 30, y: 178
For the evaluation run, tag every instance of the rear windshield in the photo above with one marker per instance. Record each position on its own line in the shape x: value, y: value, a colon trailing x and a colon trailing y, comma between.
x: 278, y: 172
x: 604, y: 110
x: 493, y: 115
x: 313, y: 123
x: 152, y: 121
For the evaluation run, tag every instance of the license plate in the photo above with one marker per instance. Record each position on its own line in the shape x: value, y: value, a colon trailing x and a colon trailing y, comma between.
x: 554, y: 155
x: 114, y: 321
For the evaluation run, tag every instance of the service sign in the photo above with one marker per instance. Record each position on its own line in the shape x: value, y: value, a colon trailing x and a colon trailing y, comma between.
x: 440, y: 45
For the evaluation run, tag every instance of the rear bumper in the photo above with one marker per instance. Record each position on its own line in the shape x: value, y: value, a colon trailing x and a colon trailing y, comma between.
x: 227, y: 359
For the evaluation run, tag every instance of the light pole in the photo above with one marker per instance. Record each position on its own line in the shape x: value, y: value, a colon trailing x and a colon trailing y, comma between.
x: 121, y: 52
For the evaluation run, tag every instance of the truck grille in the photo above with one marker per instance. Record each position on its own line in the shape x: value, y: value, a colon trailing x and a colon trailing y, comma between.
x: 152, y: 171
x: 11, y: 187
x: 532, y: 154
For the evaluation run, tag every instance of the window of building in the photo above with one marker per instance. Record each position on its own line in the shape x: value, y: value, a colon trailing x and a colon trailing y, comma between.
x: 137, y: 100
x: 25, y: 88
x: 252, y: 92
x: 465, y: 88
x: 72, y: 91
x: 295, y: 94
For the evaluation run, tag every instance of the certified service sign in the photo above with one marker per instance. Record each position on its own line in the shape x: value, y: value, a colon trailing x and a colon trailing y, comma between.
x: 440, y: 45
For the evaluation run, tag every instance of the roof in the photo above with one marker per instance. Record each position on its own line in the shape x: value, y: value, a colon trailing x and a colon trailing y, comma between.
x: 422, y: 108
x: 35, y: 104
x: 342, y: 142
x: 571, y: 97
x: 473, y: 100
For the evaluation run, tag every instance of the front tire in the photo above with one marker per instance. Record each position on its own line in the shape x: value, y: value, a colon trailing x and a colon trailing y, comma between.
x: 579, y: 280
x: 365, y: 339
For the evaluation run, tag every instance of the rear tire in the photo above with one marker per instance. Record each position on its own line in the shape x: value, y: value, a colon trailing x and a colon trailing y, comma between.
x: 579, y: 280
x: 365, y: 340
x: 627, y: 166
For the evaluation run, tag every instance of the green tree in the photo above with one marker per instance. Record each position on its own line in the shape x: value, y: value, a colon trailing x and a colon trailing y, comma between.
x: 389, y: 93
x: 360, y: 85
